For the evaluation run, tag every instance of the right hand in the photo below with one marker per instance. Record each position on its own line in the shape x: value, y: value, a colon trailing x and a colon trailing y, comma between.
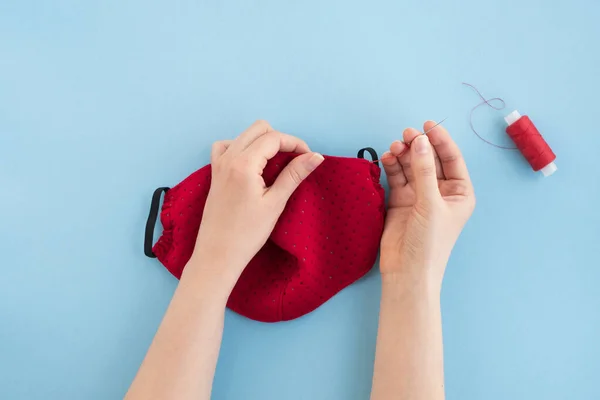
x: 431, y: 198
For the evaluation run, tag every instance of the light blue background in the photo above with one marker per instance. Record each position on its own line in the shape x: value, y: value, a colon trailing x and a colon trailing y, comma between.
x: 102, y: 101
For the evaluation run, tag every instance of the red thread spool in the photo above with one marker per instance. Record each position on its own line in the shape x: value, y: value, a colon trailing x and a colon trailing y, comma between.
x: 530, y: 143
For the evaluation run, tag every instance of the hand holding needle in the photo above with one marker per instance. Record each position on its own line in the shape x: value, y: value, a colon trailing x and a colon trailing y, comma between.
x: 408, y: 144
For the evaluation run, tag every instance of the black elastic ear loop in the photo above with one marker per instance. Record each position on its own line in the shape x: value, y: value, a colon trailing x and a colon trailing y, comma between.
x: 372, y: 153
x: 151, y: 222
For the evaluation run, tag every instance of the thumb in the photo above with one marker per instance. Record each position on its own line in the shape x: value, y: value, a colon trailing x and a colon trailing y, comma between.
x: 292, y: 175
x: 422, y: 162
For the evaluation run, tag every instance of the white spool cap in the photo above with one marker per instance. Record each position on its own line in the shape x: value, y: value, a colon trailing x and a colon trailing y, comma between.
x: 514, y: 117
x: 549, y: 169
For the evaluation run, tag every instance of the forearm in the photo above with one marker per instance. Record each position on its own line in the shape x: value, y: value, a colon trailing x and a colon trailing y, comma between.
x: 409, y: 354
x: 181, y: 361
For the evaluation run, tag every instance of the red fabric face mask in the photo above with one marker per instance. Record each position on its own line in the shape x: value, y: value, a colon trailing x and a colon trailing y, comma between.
x: 326, y: 238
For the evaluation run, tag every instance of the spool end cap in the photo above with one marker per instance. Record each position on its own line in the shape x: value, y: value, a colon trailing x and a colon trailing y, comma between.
x: 512, y: 117
x: 549, y: 169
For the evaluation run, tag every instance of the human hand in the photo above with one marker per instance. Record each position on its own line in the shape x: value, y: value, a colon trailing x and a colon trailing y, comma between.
x: 241, y: 211
x: 431, y: 198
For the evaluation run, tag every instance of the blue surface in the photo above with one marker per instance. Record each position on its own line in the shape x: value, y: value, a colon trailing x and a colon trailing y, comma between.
x: 102, y: 101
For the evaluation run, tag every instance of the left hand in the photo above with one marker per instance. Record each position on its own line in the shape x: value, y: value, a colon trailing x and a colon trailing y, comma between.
x: 241, y: 211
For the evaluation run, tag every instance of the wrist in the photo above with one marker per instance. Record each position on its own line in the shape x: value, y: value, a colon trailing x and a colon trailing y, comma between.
x: 210, y: 278
x: 422, y: 280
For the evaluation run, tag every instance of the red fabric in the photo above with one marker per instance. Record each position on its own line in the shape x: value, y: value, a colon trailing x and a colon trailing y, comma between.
x: 530, y: 143
x: 326, y: 239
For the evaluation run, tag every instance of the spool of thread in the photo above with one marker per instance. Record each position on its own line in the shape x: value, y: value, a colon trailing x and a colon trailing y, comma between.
x: 530, y: 143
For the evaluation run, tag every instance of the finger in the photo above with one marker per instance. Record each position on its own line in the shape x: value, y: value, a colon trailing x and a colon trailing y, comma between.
x: 218, y: 149
x: 271, y: 143
x: 246, y: 138
x: 423, y: 166
x: 291, y: 176
x: 439, y: 171
x: 450, y: 156
x: 393, y: 170
x: 409, y: 135
x: 397, y: 148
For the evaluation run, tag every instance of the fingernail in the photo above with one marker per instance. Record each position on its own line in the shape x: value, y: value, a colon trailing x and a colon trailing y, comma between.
x: 421, y: 144
x: 314, y: 161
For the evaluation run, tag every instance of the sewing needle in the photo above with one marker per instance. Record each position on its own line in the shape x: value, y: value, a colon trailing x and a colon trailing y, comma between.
x: 408, y: 144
